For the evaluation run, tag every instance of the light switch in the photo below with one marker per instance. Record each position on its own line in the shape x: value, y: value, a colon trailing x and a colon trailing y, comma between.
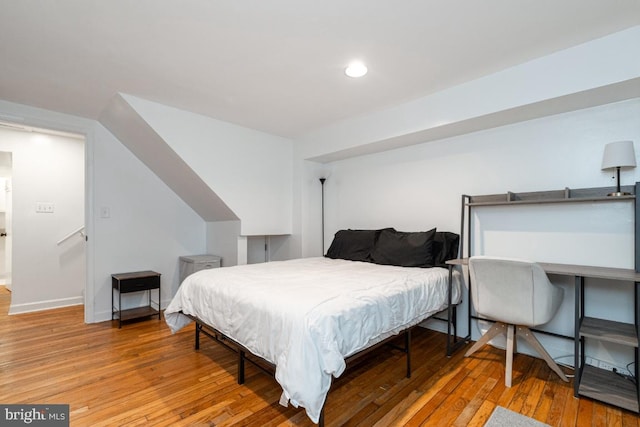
x: 105, y: 212
x: 44, y: 207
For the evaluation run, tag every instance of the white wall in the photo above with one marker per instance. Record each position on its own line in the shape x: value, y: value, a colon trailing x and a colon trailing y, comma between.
x: 422, y: 184
x: 480, y: 138
x: 419, y: 187
x: 413, y: 188
x: 222, y: 240
x: 596, y: 73
x: 5, y: 219
x: 46, y: 168
x: 306, y: 240
x: 590, y: 74
x: 250, y: 170
x: 148, y: 228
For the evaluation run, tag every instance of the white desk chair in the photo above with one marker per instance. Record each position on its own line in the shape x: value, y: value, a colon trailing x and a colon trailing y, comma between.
x: 516, y: 294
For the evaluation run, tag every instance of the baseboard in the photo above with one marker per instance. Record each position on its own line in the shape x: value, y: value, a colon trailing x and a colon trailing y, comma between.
x: 434, y: 325
x: 102, y: 316
x: 45, y: 305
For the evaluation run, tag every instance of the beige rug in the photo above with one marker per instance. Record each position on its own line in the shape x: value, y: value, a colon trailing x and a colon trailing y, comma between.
x: 502, y: 417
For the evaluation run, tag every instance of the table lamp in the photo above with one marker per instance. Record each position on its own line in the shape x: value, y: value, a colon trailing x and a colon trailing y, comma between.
x: 618, y: 155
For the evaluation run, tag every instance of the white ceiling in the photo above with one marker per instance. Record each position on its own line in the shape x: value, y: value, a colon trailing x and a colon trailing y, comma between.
x: 277, y: 65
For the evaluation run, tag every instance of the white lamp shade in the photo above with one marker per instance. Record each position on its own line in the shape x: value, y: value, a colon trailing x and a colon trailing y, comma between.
x: 619, y: 154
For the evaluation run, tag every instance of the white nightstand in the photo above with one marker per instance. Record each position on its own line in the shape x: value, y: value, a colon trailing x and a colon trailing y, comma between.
x: 191, y: 264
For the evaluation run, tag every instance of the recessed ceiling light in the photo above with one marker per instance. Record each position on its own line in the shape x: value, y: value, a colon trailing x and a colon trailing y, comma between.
x: 356, y: 69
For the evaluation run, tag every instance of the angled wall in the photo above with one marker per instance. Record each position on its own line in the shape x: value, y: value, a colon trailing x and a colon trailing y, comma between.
x: 241, y: 174
x: 122, y: 120
x: 147, y: 227
x: 542, y: 125
x: 599, y: 72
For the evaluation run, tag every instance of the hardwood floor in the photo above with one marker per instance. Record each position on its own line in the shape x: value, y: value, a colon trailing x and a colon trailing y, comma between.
x: 143, y: 375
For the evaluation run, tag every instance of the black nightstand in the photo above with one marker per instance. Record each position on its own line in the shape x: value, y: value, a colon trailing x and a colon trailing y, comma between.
x: 138, y: 281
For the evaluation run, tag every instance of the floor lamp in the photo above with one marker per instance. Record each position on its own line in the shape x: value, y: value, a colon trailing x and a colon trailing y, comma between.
x: 322, y: 180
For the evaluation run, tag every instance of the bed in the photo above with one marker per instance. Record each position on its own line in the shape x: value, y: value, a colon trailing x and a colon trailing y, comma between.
x: 305, y: 317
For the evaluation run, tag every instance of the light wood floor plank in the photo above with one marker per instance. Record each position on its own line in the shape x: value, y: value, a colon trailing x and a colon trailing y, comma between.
x: 142, y: 375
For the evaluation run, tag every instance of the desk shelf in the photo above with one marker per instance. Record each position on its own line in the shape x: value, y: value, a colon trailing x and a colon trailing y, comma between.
x: 610, y: 331
x: 595, y: 383
x: 580, y: 195
x: 608, y: 387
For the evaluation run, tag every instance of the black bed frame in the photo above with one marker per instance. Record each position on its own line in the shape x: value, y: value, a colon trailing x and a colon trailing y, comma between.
x: 245, y: 355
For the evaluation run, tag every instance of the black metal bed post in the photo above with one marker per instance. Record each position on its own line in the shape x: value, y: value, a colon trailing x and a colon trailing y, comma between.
x: 241, y: 358
x: 450, y: 313
x: 197, y: 340
x: 407, y: 346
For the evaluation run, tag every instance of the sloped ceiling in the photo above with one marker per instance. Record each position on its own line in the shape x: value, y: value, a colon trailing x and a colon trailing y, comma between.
x: 274, y: 66
x: 131, y: 129
x: 277, y: 66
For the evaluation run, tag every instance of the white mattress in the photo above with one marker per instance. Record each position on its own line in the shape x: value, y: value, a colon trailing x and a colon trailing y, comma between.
x: 306, y: 315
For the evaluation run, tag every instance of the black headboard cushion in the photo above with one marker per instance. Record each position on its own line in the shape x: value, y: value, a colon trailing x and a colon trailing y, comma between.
x: 405, y: 249
x: 445, y: 247
x: 354, y: 245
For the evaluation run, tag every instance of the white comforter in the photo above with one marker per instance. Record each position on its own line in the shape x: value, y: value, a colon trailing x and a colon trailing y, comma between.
x: 306, y: 315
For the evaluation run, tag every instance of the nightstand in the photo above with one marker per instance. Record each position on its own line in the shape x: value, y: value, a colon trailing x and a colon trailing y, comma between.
x: 138, y: 281
x: 193, y: 263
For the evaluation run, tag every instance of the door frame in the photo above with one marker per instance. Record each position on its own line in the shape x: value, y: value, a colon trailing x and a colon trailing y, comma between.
x: 23, y: 115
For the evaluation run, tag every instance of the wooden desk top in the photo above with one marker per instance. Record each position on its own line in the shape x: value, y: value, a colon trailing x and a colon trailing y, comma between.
x: 576, y: 270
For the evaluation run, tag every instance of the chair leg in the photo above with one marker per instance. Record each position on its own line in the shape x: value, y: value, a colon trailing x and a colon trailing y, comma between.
x: 510, y: 345
x: 526, y: 333
x: 495, y: 330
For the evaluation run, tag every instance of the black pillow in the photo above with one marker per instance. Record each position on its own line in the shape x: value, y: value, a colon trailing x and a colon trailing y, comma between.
x: 354, y: 245
x: 405, y: 249
x: 445, y: 247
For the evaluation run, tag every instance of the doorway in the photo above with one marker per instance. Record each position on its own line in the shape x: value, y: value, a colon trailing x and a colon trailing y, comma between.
x: 5, y: 219
x: 44, y: 260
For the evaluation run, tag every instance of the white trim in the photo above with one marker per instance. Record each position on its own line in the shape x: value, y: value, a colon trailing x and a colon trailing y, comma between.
x: 45, y: 305
x: 242, y: 250
x: 89, y: 224
x: 54, y: 121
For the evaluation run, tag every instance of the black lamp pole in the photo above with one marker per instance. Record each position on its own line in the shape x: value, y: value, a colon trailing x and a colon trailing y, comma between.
x: 322, y: 180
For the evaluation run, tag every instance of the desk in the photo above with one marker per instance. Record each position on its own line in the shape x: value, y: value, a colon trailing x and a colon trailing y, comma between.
x: 589, y: 381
